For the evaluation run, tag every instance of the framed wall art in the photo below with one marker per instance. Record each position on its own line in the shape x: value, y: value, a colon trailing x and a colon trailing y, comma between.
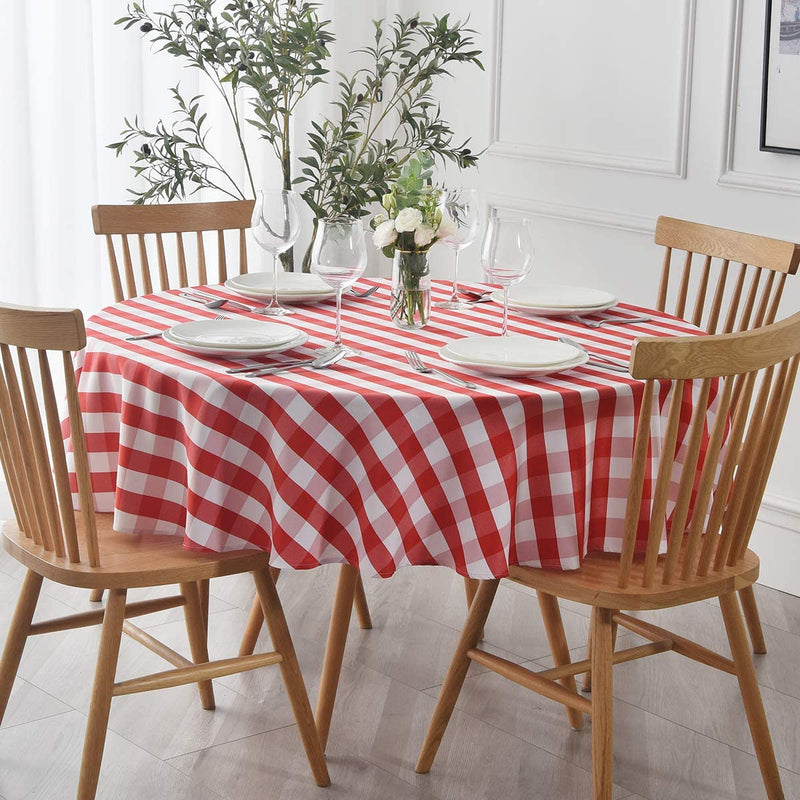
x: 780, y: 96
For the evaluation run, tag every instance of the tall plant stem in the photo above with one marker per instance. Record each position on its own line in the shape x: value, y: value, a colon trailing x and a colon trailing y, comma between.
x: 234, y: 114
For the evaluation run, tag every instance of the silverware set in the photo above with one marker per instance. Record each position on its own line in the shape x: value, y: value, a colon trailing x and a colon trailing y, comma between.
x: 595, y: 359
x: 592, y: 323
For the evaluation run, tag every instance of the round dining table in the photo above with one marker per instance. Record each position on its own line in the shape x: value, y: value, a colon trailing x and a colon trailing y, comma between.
x: 368, y: 463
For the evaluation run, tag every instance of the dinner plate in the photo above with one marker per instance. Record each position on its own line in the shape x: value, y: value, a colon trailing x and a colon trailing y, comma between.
x: 512, y: 355
x: 239, y: 334
x: 556, y: 301
x: 236, y: 352
x: 293, y: 287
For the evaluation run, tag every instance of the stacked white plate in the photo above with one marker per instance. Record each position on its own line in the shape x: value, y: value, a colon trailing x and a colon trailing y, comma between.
x: 293, y: 287
x: 234, y: 337
x: 556, y: 301
x: 513, y: 356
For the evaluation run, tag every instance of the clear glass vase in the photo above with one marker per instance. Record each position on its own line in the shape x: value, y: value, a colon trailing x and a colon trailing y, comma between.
x: 411, y: 289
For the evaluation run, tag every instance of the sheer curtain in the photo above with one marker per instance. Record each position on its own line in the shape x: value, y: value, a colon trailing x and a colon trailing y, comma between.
x: 68, y: 76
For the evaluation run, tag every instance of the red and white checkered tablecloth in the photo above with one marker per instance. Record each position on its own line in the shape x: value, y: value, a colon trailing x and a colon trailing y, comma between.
x: 368, y: 462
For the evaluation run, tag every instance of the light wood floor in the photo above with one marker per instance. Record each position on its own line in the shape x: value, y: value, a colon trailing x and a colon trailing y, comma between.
x: 503, y: 742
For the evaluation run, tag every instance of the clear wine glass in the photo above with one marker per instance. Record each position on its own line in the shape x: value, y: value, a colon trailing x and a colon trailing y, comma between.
x: 463, y: 207
x: 339, y: 257
x: 276, y: 226
x: 507, y: 255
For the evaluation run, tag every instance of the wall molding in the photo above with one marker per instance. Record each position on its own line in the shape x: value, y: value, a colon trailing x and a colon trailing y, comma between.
x: 560, y: 211
x: 674, y: 167
x: 729, y: 175
x: 776, y: 539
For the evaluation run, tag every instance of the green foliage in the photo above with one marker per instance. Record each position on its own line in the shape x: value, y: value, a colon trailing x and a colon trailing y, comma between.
x: 273, y: 52
x: 275, y: 49
x: 353, y: 160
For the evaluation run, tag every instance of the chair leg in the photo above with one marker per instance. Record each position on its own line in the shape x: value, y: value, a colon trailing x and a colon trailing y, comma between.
x: 102, y: 693
x: 18, y: 635
x: 361, y: 606
x: 334, y: 649
x: 602, y: 704
x: 751, y: 695
x: 96, y: 596
x: 586, y: 683
x: 204, y: 591
x: 470, y: 635
x: 292, y: 676
x: 470, y: 587
x: 198, y: 641
x: 750, y: 610
x: 554, y: 626
x: 255, y: 620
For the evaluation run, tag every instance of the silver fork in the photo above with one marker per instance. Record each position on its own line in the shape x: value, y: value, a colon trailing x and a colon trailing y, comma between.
x: 366, y: 293
x: 158, y: 333
x: 417, y: 364
x: 212, y: 302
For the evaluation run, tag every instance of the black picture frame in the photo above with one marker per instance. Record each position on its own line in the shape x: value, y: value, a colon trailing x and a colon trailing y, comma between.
x: 763, y: 145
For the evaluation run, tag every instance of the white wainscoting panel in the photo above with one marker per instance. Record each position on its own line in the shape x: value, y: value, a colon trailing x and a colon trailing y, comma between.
x: 776, y: 539
x: 623, y: 77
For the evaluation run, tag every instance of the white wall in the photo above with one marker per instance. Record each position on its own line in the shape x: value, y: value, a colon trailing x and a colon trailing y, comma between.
x: 599, y: 117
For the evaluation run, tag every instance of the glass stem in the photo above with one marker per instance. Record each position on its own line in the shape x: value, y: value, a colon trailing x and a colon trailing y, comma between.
x: 454, y: 295
x: 505, y: 310
x: 337, y: 342
x: 274, y: 302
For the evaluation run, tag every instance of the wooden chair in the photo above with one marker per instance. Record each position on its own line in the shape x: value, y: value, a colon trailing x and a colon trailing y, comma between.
x: 153, y: 224
x: 82, y: 549
x: 749, y: 376
x: 724, y: 281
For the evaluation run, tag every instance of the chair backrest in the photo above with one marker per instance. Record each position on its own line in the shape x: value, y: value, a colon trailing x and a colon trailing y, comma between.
x: 32, y: 448
x: 712, y: 294
x: 155, y: 222
x: 717, y: 487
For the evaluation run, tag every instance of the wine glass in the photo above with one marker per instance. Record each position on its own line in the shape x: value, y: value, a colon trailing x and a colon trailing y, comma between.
x: 339, y: 257
x: 507, y: 255
x: 463, y: 208
x: 276, y: 226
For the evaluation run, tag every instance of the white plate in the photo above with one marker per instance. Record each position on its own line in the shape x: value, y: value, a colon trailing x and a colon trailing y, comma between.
x: 547, y: 311
x: 237, y: 334
x: 237, y: 352
x: 512, y: 355
x: 553, y: 296
x: 293, y: 287
x: 512, y: 351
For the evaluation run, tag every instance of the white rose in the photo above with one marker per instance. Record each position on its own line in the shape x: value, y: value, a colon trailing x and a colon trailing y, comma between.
x: 408, y: 219
x: 423, y: 235
x: 379, y: 219
x: 447, y: 227
x: 385, y: 234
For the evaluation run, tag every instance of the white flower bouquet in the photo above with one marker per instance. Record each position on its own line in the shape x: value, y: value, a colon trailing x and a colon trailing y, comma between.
x: 412, y: 222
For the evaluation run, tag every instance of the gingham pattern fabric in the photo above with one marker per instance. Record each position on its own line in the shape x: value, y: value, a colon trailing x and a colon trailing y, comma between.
x: 368, y: 462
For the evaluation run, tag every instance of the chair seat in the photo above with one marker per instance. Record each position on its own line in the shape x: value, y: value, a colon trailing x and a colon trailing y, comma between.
x: 129, y: 560
x: 596, y: 582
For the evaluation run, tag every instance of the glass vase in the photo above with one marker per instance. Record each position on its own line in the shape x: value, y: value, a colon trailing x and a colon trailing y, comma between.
x: 411, y: 289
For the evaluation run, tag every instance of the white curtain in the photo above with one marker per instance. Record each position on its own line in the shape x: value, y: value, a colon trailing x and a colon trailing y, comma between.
x: 68, y: 76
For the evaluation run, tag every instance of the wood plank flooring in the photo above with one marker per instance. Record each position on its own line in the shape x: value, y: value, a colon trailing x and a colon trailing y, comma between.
x: 679, y: 727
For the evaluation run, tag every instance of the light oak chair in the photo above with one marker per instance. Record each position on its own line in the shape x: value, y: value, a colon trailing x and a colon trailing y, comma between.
x: 724, y: 281
x: 716, y: 489
x: 151, y: 225
x: 82, y: 549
